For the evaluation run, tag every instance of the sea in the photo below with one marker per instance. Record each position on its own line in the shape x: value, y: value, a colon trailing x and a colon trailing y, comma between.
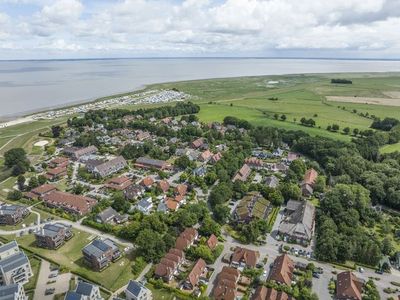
x: 32, y: 86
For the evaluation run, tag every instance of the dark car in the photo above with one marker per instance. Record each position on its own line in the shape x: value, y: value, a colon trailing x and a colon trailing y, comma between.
x: 380, y: 272
x: 315, y: 275
x: 50, y: 291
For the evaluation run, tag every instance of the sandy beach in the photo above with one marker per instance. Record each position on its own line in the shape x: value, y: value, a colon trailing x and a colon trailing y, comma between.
x: 17, y: 121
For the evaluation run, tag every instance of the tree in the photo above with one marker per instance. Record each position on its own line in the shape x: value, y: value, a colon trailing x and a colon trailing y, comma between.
x: 120, y: 204
x: 56, y: 131
x: 387, y: 246
x: 283, y: 117
x: 21, y: 182
x: 290, y: 191
x: 150, y: 245
x: 33, y: 183
x: 14, y: 195
x: 346, y: 130
x: 42, y: 179
x: 209, y: 227
x: 356, y: 131
x: 276, y: 116
x: 298, y: 167
x: 183, y: 162
x: 221, y: 213
x: 276, y: 197
x: 335, y: 127
x: 16, y: 159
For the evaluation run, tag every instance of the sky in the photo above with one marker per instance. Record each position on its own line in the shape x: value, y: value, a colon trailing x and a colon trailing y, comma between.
x: 57, y: 29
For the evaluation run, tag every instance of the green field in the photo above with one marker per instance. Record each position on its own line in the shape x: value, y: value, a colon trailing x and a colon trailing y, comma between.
x: 70, y: 256
x: 390, y: 148
x: 298, y: 96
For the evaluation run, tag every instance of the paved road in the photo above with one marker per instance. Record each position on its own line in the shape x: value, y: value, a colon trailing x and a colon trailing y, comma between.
x: 61, y: 285
x: 75, y: 225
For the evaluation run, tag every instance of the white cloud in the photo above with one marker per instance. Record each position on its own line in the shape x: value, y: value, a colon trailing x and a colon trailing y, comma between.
x: 206, y: 27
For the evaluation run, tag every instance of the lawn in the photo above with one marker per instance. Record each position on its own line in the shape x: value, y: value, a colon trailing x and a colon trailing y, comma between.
x: 390, y: 148
x: 70, y: 256
x: 31, y: 218
x: 160, y: 294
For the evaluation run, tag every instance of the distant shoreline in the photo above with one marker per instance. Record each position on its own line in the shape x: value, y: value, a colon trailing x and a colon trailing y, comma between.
x: 26, y: 117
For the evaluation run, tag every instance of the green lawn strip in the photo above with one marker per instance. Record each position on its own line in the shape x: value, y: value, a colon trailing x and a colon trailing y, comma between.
x: 35, y: 266
x: 390, y: 148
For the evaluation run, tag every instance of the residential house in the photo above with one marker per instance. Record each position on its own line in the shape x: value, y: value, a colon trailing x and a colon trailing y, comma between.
x: 292, y: 156
x: 162, y: 207
x: 278, y: 152
x: 56, y: 173
x: 111, y: 216
x: 40, y: 191
x: 216, y: 157
x: 279, y: 168
x: 212, y: 242
x: 15, y: 267
x: 137, y: 291
x: 71, y: 203
x: 12, y: 292
x: 147, y: 182
x: 78, y: 153
x: 243, y: 174
x: 298, y: 222
x: 272, y: 182
x: 100, y: 253
x: 91, y: 164
x: 169, y: 265
x: 149, y: 163
x: 145, y: 205
x: 186, y: 238
x: 252, y: 206
x: 198, y: 271
x: 348, y: 286
x: 243, y: 257
x: 282, y: 270
x: 200, y: 171
x: 118, y: 183
x: 264, y: 293
x: 12, y: 214
x: 133, y: 191
x: 142, y: 135
x: 307, y: 185
x: 205, y: 156
x: 254, y: 163
x: 226, y: 284
x: 196, y: 144
x: 163, y: 185
x: 84, y: 291
x: 53, y: 236
x: 181, y: 189
x: 110, y: 167
x: 58, y: 162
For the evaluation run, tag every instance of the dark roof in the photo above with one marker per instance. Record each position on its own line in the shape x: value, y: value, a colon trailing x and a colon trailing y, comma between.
x: 135, y: 287
x: 84, y: 288
x: 8, y: 292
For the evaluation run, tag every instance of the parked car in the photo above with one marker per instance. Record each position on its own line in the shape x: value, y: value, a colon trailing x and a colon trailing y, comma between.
x: 50, y: 291
x: 315, y: 275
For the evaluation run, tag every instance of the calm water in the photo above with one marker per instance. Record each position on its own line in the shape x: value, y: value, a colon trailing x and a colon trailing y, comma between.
x: 27, y: 86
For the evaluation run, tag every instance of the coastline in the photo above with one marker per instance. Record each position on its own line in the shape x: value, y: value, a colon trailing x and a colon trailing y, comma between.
x: 28, y: 117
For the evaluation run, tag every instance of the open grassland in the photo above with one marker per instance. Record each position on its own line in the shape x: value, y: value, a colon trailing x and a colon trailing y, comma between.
x: 258, y: 99
x: 70, y: 256
x: 390, y: 148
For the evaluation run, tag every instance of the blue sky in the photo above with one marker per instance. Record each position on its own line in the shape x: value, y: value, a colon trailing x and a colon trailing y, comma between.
x: 42, y: 29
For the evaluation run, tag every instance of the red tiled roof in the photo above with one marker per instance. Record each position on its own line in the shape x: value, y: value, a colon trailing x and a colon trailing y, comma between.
x: 181, y: 189
x: 249, y: 257
x: 310, y: 176
x: 79, y: 204
x: 147, y: 181
x: 43, y: 189
x: 212, y: 242
x: 348, y: 286
x: 196, y: 272
x: 163, y: 185
x: 282, y: 270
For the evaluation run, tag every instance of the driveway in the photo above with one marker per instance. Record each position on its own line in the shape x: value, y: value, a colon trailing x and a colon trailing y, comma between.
x: 61, y: 284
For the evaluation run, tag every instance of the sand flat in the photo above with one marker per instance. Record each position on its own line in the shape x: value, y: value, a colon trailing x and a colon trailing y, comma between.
x: 365, y: 100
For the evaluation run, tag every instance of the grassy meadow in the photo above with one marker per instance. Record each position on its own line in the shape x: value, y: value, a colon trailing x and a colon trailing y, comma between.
x: 297, y: 96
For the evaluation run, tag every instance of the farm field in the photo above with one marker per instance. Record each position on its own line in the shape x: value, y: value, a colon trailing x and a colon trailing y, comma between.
x: 70, y: 257
x: 258, y: 99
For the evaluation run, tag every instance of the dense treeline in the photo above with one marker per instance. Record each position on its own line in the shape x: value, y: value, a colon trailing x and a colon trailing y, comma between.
x: 112, y: 118
x: 341, y: 81
x: 386, y: 124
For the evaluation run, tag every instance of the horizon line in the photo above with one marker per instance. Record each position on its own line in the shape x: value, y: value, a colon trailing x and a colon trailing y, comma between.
x: 202, y: 57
